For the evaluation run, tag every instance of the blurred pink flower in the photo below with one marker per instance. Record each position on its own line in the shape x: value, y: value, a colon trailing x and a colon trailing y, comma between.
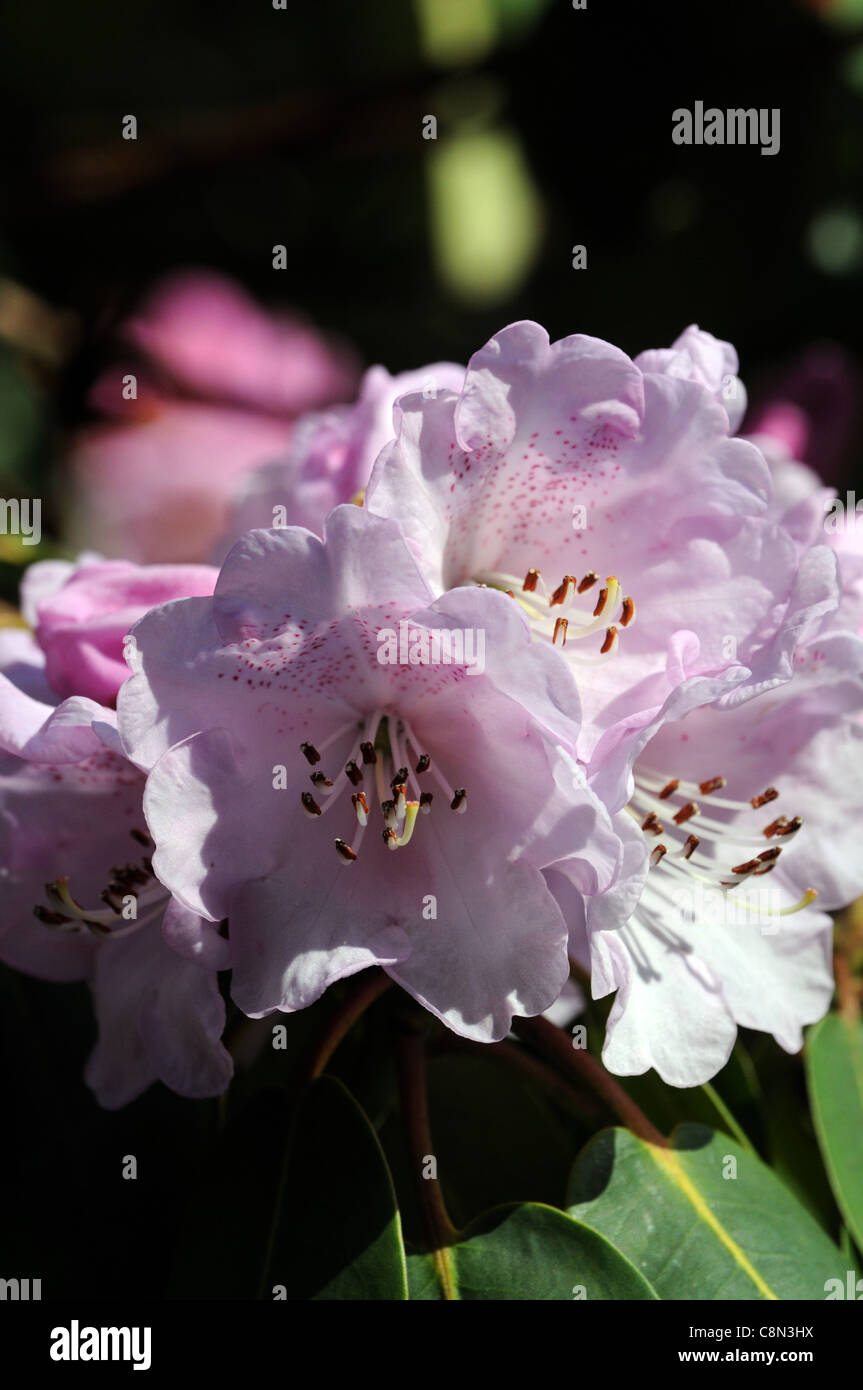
x: 809, y: 408
x: 220, y: 384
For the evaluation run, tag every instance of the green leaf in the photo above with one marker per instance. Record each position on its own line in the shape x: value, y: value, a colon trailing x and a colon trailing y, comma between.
x: 529, y: 1251
x: 336, y: 1229
x: 497, y: 1138
x: 834, y: 1071
x: 694, y: 1232
x: 300, y: 1199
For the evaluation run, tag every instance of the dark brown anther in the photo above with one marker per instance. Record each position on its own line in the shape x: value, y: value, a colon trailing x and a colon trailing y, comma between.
x: 776, y: 827
x: 344, y: 851
x: 530, y: 581
x: 390, y: 838
x: 686, y: 813
x: 713, y: 784
x: 320, y: 779
x: 691, y: 846
x: 399, y: 780
x: 657, y: 854
x: 769, y: 856
x: 459, y: 801
x: 112, y: 900
x: 424, y: 763
x: 792, y: 827
x: 127, y: 876
x: 769, y: 795
x: 610, y: 638
x: 310, y: 806
x: 600, y: 602
x: 588, y: 582
x: 143, y: 838
x: 355, y: 776
x: 669, y: 789
x: 426, y: 799
x: 652, y: 824
x: 388, y: 811
x: 562, y: 591
x: 310, y: 753
x: 628, y: 613
x: 50, y: 919
x: 748, y: 868
x: 368, y: 752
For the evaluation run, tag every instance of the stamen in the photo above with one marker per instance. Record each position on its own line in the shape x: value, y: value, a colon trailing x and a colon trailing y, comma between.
x: 52, y: 919
x: 610, y: 641
x: 628, y: 613
x: 588, y: 582
x: 722, y: 833
x: 59, y: 896
x: 530, y: 581
x: 792, y: 827
x: 769, y: 795
x: 143, y: 838
x: 384, y: 745
x: 310, y: 752
x: 561, y: 593
x: 607, y: 596
x: 410, y: 821
x: 560, y: 626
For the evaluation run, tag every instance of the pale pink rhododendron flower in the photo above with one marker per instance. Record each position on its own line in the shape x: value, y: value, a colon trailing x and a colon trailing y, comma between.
x: 80, y: 626
x: 744, y: 829
x: 80, y: 897
x: 214, y: 396
x: 331, y: 454
x: 346, y: 811
x: 610, y: 502
x: 715, y: 661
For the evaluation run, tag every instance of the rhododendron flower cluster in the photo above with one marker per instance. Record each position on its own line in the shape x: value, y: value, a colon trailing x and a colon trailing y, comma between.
x: 640, y: 778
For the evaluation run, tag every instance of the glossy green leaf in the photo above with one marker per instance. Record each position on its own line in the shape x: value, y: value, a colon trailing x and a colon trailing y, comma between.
x: 298, y: 1206
x: 834, y: 1070
x: 702, y: 1219
x: 336, y: 1230
x: 527, y: 1252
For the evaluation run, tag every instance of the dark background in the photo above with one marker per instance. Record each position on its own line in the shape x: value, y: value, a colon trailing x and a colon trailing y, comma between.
x: 304, y: 127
